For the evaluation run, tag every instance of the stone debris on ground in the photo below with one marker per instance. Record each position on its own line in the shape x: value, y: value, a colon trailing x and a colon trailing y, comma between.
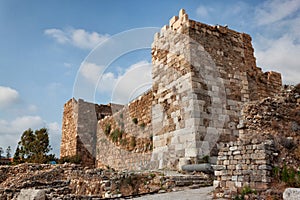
x: 70, y: 181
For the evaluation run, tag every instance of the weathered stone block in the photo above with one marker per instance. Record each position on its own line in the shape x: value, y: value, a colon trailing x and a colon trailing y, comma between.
x: 291, y: 194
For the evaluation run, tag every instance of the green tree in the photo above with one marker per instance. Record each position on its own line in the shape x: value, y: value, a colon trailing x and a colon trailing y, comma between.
x: 17, y: 156
x: 1, y: 151
x: 33, y: 147
x: 8, y: 152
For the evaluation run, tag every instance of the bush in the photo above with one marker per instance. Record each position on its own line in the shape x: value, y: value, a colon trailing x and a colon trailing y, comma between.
x: 116, y: 135
x: 142, y: 125
x: 246, y: 190
x: 135, y: 120
x: 287, y: 143
x: 288, y: 175
x: 107, y: 129
x: 133, y: 142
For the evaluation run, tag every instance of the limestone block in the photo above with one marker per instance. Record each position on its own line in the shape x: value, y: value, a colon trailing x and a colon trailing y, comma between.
x: 291, y: 194
x: 173, y: 20
x: 32, y: 194
x: 216, y: 184
x: 191, y: 152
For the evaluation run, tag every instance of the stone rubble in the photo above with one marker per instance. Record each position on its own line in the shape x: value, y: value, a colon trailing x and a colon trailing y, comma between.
x: 70, y: 181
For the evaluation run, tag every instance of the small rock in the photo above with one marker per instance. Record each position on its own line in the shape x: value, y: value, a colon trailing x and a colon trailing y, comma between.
x: 32, y: 194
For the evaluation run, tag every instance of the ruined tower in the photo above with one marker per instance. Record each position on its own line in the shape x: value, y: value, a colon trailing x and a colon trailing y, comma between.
x: 202, y: 75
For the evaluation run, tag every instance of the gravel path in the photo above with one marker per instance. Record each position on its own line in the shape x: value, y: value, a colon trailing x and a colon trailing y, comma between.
x: 204, y: 193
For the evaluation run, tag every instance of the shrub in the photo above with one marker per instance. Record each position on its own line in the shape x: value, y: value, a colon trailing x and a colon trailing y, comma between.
x: 116, y: 135
x: 107, y: 129
x: 123, y: 142
x: 246, y: 190
x: 135, y: 120
x: 288, y: 175
x: 133, y: 142
x: 205, y: 159
x: 287, y: 143
x: 142, y: 125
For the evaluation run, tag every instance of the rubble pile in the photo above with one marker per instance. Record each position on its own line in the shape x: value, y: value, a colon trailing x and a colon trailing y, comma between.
x: 277, y: 119
x: 70, y: 181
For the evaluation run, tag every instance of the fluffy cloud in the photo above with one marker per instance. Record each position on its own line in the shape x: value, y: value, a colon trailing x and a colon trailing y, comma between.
x: 91, y: 72
x: 278, y: 46
x: 54, y: 130
x: 275, y: 10
x: 203, y: 11
x: 11, y: 131
x: 8, y: 97
x: 136, y: 79
x: 121, y: 87
x: 282, y: 55
x: 77, y: 37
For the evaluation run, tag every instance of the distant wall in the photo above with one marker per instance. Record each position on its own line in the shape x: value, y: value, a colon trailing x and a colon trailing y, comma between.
x: 79, y: 129
x: 128, y: 143
x: 68, y: 145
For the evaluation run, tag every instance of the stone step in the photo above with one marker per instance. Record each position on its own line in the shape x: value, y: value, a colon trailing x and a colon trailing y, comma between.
x: 190, y: 180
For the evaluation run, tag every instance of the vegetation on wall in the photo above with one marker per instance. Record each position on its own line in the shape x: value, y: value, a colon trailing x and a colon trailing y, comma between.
x: 107, y: 129
x: 135, y: 120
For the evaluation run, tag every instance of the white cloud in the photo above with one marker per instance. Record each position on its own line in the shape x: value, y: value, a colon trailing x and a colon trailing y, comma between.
x: 135, y: 80
x: 54, y: 130
x: 203, y: 11
x: 282, y: 55
x: 277, y: 46
x: 11, y: 131
x: 91, y: 72
x: 276, y: 10
x: 67, y: 65
x: 8, y: 97
x: 77, y: 37
x: 123, y: 86
x: 32, y: 108
x: 59, y: 35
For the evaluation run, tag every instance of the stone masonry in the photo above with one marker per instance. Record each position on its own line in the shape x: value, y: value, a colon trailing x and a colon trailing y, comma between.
x: 79, y: 129
x: 241, y: 164
x: 202, y: 76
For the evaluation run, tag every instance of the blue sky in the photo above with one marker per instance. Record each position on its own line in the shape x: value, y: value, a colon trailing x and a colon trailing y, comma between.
x: 44, y: 43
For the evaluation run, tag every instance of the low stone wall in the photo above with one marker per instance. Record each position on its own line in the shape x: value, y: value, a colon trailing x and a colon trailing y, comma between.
x: 241, y: 164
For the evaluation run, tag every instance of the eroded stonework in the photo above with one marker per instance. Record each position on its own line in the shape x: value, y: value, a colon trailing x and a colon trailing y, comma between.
x: 202, y: 76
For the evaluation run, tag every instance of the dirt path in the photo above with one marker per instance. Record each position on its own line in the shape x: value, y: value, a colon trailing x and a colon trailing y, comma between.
x: 204, y: 193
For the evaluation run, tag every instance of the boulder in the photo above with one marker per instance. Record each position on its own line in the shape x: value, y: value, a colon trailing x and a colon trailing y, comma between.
x: 32, y: 194
x: 291, y: 194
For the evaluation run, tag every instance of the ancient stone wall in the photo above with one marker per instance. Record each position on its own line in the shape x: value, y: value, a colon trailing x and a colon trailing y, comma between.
x: 202, y: 75
x: 68, y: 145
x: 241, y: 164
x: 124, y: 140
x: 79, y: 129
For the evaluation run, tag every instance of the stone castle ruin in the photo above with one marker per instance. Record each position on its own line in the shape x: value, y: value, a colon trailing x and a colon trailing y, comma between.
x: 202, y: 76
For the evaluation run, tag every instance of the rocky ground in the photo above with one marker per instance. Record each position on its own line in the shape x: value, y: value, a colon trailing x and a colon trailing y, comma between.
x: 69, y: 181
x: 277, y: 119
